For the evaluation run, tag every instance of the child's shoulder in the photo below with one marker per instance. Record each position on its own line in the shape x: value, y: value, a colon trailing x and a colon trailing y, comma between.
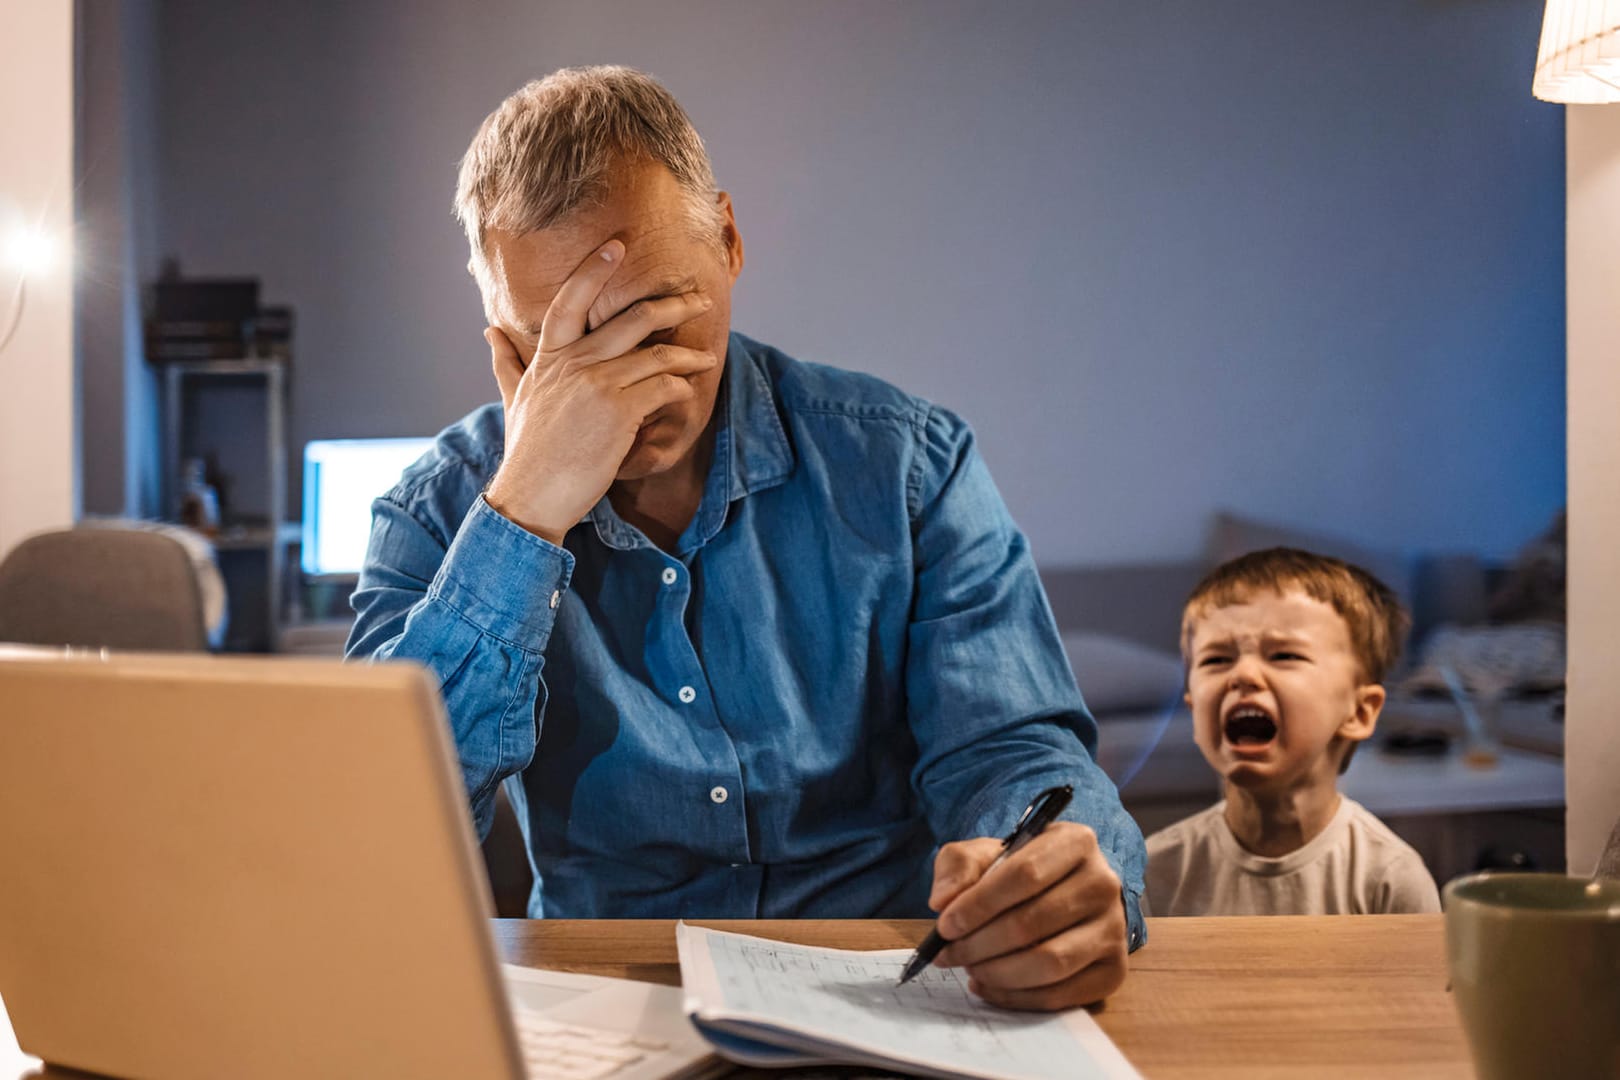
x: 1393, y: 877
x: 1371, y: 833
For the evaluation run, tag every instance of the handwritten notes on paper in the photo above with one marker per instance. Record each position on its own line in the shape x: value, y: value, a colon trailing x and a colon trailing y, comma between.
x: 841, y: 1005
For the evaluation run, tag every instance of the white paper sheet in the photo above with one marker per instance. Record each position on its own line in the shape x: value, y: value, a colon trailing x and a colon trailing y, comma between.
x: 826, y: 999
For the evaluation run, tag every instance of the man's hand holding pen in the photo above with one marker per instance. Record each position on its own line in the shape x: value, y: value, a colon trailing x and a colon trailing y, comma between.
x: 1046, y: 930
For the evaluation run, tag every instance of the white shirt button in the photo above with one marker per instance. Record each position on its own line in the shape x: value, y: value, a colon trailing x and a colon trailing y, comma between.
x: 556, y: 598
x: 718, y: 794
x: 687, y: 695
x: 670, y: 575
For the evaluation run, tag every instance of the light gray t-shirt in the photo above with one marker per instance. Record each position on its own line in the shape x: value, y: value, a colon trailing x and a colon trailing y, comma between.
x: 1355, y: 866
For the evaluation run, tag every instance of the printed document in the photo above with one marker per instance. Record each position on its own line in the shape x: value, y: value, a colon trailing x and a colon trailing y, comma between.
x: 769, y: 1003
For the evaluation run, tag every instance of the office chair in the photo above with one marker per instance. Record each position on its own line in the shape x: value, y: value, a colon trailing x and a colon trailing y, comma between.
x: 1609, y: 862
x: 102, y: 588
x: 506, y: 860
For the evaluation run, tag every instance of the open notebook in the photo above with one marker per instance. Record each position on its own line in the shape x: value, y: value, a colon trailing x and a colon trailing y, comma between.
x: 768, y: 1003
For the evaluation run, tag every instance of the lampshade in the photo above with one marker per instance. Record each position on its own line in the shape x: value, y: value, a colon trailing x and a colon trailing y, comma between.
x: 1579, y: 59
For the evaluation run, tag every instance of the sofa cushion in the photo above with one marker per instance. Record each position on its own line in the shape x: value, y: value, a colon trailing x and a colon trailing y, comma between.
x: 1231, y: 535
x: 1151, y: 756
x: 1116, y: 675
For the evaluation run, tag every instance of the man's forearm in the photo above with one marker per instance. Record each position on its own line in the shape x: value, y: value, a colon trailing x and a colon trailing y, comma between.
x: 479, y: 616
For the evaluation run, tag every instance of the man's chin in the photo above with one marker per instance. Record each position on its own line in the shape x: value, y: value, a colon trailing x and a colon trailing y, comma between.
x: 663, y: 445
x: 649, y: 457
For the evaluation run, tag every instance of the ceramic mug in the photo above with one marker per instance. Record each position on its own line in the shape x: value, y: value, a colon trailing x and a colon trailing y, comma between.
x: 1535, y: 972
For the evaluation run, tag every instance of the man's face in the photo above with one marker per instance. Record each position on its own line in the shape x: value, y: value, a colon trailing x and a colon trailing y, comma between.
x: 649, y: 212
x: 1275, y: 691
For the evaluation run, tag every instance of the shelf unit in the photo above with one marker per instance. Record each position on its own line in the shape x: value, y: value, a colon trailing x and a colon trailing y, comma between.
x: 270, y: 536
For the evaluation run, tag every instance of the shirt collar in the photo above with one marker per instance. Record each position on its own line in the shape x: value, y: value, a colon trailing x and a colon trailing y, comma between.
x: 760, y: 455
x: 751, y: 453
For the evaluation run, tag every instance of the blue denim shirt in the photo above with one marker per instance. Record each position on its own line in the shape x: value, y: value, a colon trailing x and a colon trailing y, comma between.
x: 847, y: 661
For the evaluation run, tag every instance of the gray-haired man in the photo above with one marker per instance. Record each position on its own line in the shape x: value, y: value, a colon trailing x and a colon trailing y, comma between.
x: 744, y: 636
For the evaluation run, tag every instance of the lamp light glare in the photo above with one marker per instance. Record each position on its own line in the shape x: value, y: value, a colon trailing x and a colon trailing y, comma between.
x: 30, y: 250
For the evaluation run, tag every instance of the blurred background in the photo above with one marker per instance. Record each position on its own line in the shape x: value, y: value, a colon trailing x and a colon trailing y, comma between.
x: 1298, y: 260
x: 1203, y: 277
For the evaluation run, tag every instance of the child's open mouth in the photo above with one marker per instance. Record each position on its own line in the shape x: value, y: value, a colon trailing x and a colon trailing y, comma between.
x: 1249, y: 728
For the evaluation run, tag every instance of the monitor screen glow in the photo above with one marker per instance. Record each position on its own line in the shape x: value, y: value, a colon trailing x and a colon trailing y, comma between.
x: 341, y: 477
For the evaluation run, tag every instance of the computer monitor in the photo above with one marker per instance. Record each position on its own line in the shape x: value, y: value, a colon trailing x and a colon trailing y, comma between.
x: 341, y: 477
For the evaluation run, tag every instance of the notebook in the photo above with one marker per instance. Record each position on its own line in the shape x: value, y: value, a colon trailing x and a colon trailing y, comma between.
x: 772, y: 1004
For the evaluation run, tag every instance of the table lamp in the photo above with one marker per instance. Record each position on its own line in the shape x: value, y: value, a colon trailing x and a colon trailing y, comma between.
x: 1579, y: 59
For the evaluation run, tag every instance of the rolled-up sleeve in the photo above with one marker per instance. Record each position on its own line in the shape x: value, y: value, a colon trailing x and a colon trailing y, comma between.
x: 992, y: 701
x: 478, y: 614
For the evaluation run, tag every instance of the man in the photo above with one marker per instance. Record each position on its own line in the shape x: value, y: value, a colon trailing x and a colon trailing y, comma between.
x: 744, y: 637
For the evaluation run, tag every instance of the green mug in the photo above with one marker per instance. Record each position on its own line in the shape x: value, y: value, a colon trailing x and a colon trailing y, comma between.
x: 1535, y: 972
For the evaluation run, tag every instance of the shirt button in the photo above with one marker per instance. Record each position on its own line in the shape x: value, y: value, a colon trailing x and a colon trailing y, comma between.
x: 687, y: 696
x: 719, y: 794
x: 670, y: 575
x: 556, y: 598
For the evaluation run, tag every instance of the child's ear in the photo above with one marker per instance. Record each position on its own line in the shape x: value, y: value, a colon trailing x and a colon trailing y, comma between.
x: 1364, y: 720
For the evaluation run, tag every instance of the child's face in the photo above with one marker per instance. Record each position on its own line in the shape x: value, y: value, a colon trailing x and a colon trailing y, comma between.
x: 1275, y: 689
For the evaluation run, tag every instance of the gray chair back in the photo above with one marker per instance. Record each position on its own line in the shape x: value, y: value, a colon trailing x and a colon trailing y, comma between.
x: 1609, y: 862
x: 102, y: 588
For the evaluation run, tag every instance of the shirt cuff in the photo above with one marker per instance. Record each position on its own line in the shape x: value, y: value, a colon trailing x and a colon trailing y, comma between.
x: 1135, y: 926
x: 503, y: 578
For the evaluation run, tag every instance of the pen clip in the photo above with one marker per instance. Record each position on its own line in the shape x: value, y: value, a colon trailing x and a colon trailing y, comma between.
x: 1041, y: 812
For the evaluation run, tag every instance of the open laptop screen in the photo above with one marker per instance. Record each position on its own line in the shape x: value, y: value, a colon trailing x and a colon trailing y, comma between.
x: 218, y: 891
x: 341, y: 477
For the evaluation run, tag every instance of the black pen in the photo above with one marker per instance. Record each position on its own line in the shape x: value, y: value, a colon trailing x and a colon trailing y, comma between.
x: 1041, y: 813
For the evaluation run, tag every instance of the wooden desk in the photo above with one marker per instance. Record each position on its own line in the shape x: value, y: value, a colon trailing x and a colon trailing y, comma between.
x: 1332, y: 996
x: 1328, y: 996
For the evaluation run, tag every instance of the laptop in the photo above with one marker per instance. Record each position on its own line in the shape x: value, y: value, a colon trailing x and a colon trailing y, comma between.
x: 265, y: 867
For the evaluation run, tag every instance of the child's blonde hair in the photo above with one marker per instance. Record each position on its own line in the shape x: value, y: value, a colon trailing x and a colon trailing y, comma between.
x: 1377, y: 621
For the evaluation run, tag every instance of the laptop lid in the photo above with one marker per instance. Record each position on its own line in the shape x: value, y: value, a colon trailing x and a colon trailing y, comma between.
x: 252, y: 867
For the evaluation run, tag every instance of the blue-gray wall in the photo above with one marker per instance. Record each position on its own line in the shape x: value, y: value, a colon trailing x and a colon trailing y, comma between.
x: 116, y: 142
x: 1299, y: 258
